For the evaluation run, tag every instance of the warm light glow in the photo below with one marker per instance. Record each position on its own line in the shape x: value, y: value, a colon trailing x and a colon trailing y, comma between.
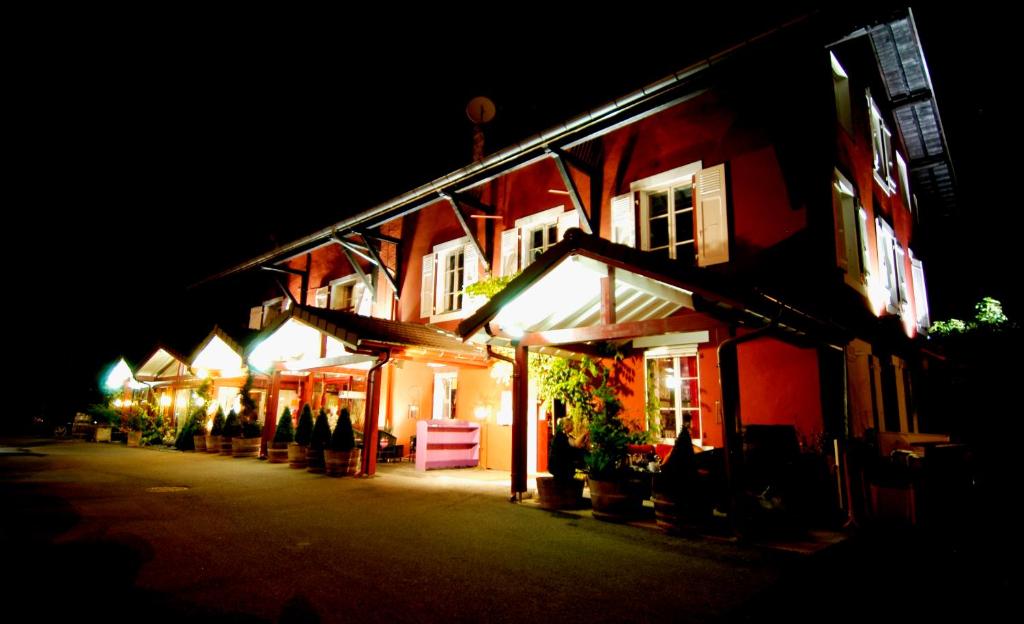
x: 877, y: 294
x: 197, y: 400
x: 119, y: 376
x: 203, y: 373
x: 218, y: 356
x: 501, y: 372
x: 482, y: 412
x: 165, y: 400
x: 118, y: 403
x: 569, y: 283
x: 435, y: 365
x: 292, y: 341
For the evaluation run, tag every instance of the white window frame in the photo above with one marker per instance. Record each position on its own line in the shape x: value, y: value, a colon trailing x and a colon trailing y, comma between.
x: 920, y: 293
x: 665, y: 181
x: 841, y: 86
x: 851, y: 232
x: 469, y: 275
x: 529, y: 224
x: 695, y: 411
x: 349, y: 282
x: 881, y: 141
x: 887, y: 271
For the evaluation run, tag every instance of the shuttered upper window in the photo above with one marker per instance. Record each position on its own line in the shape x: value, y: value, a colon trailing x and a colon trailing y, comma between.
x: 881, y: 147
x: 683, y: 214
x: 445, y: 274
x: 533, y: 235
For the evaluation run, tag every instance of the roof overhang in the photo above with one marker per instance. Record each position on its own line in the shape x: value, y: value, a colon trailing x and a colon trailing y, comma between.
x: 163, y: 365
x: 220, y: 353
x: 586, y: 289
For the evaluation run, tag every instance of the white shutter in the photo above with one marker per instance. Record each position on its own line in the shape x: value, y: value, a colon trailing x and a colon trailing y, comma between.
x: 427, y: 286
x: 862, y: 228
x: 623, y: 220
x: 712, y: 216
x: 471, y: 275
x: 256, y: 317
x: 920, y: 294
x: 509, y: 251
x: 566, y: 220
x: 320, y: 297
x: 901, y: 275
x: 362, y: 303
x: 840, y: 197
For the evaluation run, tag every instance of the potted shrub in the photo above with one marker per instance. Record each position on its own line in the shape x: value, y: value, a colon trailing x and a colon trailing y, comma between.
x: 562, y: 490
x: 133, y: 429
x: 283, y: 436
x: 198, y: 430
x: 321, y: 438
x: 342, y: 457
x: 232, y: 429
x: 616, y: 492
x: 247, y: 443
x: 681, y: 499
x: 185, y: 440
x: 213, y: 437
x: 303, y: 434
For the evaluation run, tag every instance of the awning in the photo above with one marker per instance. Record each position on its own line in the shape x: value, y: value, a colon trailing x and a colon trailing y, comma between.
x: 587, y: 289
x: 297, y: 339
x: 164, y: 364
x: 219, y: 352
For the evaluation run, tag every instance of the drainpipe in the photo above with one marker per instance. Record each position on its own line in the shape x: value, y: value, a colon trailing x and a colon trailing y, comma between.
x: 729, y: 380
x: 369, y: 461
x: 520, y: 388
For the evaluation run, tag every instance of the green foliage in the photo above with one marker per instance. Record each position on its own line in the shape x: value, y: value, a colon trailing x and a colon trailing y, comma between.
x: 343, y: 438
x: 232, y: 426
x: 104, y: 415
x: 489, y: 286
x: 321, y: 431
x: 285, y: 432
x: 608, y: 456
x: 988, y: 316
x: 653, y: 405
x: 249, y: 416
x: 194, y: 425
x: 304, y: 434
x: 218, y: 422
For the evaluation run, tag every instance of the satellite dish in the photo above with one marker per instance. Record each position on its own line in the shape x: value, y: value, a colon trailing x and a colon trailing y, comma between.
x: 480, y: 110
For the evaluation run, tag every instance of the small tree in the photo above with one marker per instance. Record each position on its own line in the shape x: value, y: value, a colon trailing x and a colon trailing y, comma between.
x: 285, y: 432
x: 218, y: 422
x: 304, y: 434
x: 321, y: 432
x: 343, y: 439
x: 561, y: 462
x: 232, y: 427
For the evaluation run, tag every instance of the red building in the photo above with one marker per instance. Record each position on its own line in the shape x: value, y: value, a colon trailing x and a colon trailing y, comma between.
x: 745, y: 230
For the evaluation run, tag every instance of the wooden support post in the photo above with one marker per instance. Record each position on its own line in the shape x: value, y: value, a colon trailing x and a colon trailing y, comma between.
x: 369, y: 459
x: 520, y: 395
x: 608, y: 297
x: 270, y: 419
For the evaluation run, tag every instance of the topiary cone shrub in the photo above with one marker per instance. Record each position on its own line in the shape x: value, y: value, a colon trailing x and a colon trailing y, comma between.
x: 283, y: 436
x: 303, y: 434
x: 318, y: 442
x: 342, y: 456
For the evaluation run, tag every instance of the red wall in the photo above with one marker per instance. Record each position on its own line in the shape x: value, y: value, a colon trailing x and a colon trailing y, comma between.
x: 779, y: 385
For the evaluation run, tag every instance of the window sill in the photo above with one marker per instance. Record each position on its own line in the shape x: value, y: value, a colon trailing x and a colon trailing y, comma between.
x: 449, y: 316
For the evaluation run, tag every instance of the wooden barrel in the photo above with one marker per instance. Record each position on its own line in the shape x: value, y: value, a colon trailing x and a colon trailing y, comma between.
x: 199, y: 441
x: 277, y: 453
x: 296, y: 455
x: 245, y: 447
x: 615, y: 501
x: 315, y: 460
x: 553, y: 494
x: 212, y: 443
x: 335, y: 462
x: 225, y: 445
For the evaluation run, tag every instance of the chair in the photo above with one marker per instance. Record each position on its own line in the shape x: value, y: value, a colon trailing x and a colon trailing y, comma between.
x: 388, y: 449
x: 412, y: 449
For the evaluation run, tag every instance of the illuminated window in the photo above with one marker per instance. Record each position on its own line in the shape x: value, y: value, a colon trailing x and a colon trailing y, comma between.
x: 349, y: 293
x: 453, y: 280
x: 533, y: 235
x: 669, y: 220
x: 881, y: 147
x: 673, y: 386
x: 446, y: 273
x: 539, y: 240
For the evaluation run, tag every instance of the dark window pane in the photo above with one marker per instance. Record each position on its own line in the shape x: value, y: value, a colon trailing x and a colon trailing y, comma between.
x: 658, y: 204
x: 683, y: 197
x: 659, y: 233
x: 684, y: 226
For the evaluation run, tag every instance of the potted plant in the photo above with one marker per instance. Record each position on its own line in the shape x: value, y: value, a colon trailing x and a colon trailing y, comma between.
x: 562, y: 490
x: 342, y: 457
x: 321, y: 438
x: 185, y: 440
x: 213, y: 437
x: 247, y: 443
x: 232, y: 429
x: 615, y: 493
x: 303, y: 435
x: 133, y: 428
x: 681, y: 499
x: 283, y: 436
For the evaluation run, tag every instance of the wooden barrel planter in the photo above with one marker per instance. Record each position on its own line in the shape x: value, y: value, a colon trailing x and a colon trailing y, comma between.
x: 225, y: 445
x: 615, y: 501
x: 245, y: 447
x: 134, y: 438
x: 341, y: 463
x: 277, y: 452
x: 681, y: 509
x: 296, y: 455
x: 199, y: 441
x: 213, y: 444
x: 559, y: 494
x: 315, y: 460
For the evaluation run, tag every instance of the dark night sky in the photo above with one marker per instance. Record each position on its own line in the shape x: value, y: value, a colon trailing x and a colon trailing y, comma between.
x: 152, y: 150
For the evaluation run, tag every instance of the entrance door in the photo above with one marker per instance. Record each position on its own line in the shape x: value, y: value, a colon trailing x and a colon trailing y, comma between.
x: 445, y: 387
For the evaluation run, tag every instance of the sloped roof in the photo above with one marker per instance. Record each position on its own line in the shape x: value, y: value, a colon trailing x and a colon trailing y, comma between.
x: 905, y: 74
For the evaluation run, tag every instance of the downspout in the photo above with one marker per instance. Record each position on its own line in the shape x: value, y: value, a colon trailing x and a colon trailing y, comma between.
x: 369, y: 461
x: 729, y: 381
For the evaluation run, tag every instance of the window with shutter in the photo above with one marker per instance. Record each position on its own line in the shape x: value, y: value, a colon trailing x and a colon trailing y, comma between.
x: 850, y: 238
x: 453, y: 265
x: 538, y: 232
x: 623, y: 220
x: 920, y: 292
x: 509, y: 251
x: 881, y: 147
x: 667, y: 213
x: 427, y: 286
x: 712, y: 217
x: 888, y: 280
x: 320, y: 297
